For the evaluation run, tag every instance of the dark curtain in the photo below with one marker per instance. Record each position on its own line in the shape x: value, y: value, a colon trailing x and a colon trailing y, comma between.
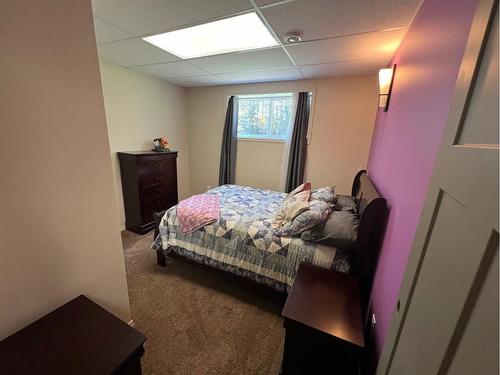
x: 229, y: 142
x: 298, y: 144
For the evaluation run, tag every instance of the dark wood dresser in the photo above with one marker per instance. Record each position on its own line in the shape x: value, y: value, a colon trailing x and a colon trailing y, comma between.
x: 149, y: 184
x: 78, y: 338
x: 324, y: 328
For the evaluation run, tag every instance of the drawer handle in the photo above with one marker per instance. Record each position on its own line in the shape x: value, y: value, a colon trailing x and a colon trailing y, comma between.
x: 159, y: 178
x: 159, y: 165
x: 160, y: 190
x: 160, y: 201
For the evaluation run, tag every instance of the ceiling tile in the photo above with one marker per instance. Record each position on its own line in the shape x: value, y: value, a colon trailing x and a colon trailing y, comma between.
x: 245, y: 61
x: 286, y: 74
x: 319, y: 19
x: 105, y: 33
x: 359, y: 67
x: 149, y: 16
x: 208, y: 80
x: 380, y: 44
x: 133, y: 52
x: 170, y: 70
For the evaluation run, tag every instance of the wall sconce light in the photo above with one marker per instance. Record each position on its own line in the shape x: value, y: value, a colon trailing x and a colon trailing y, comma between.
x: 385, y: 80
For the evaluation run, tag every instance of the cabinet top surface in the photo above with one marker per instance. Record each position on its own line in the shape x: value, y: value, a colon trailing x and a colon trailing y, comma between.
x: 327, y: 301
x: 79, y: 337
x: 146, y: 152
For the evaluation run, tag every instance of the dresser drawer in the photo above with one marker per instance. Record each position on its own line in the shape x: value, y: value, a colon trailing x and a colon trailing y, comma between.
x: 148, y: 179
x: 156, y: 204
x: 145, y: 166
x: 151, y: 191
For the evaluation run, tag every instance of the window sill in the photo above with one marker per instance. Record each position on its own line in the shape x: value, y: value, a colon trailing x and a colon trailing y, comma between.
x: 270, y: 140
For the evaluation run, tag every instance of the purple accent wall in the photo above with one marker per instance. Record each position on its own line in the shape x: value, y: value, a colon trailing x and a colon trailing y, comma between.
x: 406, y: 138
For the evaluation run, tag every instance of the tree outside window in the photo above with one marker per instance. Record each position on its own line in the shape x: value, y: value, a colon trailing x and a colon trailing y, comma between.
x: 265, y: 116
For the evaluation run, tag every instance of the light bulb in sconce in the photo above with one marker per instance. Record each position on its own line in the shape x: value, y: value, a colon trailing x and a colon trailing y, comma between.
x: 385, y: 80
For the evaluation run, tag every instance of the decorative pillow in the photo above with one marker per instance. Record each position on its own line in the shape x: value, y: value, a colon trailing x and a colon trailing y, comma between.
x: 317, y: 213
x: 340, y: 230
x: 295, y: 208
x: 291, y: 206
x: 325, y: 194
x: 298, y: 189
x: 345, y: 203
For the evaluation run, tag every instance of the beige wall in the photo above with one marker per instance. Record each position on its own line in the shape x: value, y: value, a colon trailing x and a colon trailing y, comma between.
x: 138, y: 109
x: 59, y: 230
x: 268, y: 156
x: 343, y: 114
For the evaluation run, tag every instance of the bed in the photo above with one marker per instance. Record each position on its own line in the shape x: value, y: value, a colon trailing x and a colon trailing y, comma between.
x: 241, y: 240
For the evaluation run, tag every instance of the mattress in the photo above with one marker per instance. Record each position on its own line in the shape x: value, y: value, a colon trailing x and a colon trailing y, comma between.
x: 241, y: 241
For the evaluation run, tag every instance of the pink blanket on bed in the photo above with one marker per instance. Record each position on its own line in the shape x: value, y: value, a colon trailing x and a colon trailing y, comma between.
x: 198, y: 211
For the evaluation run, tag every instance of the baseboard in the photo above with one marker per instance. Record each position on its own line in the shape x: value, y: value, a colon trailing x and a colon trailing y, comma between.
x: 131, y: 323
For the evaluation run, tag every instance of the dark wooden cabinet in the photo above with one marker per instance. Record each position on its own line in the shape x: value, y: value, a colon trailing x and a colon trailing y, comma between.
x: 149, y: 184
x: 324, y: 330
x: 78, y: 338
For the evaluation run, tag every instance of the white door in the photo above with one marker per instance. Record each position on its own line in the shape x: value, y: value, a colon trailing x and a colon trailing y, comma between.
x: 447, y: 314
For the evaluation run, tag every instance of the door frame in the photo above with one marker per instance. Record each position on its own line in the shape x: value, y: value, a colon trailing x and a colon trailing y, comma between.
x: 469, y: 68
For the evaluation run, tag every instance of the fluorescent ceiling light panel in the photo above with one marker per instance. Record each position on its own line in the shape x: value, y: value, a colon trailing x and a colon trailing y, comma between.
x: 232, y: 34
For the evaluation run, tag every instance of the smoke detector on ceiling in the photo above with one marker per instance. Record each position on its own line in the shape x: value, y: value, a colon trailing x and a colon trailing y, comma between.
x: 293, y: 37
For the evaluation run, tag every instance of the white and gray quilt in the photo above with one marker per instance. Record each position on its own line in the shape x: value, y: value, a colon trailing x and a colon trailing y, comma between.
x: 241, y: 241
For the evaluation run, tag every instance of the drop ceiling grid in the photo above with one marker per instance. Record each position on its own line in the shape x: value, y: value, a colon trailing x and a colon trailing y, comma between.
x: 141, y: 18
x: 274, y: 34
x: 346, y: 48
x: 171, y: 70
x: 165, y: 29
x: 187, y: 61
x: 319, y: 55
x: 281, y: 74
x: 343, y: 68
x: 107, y: 33
x: 264, y: 59
x: 269, y: 3
x: 319, y: 19
x: 209, y: 73
x: 134, y: 52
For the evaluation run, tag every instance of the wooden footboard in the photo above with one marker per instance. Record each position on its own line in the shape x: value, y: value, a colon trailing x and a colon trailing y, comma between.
x: 160, y: 255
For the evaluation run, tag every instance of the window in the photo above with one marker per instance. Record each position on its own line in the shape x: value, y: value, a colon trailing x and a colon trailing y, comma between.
x: 265, y: 116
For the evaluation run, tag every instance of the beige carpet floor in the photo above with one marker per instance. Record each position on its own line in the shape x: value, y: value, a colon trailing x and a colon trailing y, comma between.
x: 200, y: 321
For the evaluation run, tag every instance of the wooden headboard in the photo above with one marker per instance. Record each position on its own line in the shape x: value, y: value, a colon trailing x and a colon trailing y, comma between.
x: 372, y: 213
